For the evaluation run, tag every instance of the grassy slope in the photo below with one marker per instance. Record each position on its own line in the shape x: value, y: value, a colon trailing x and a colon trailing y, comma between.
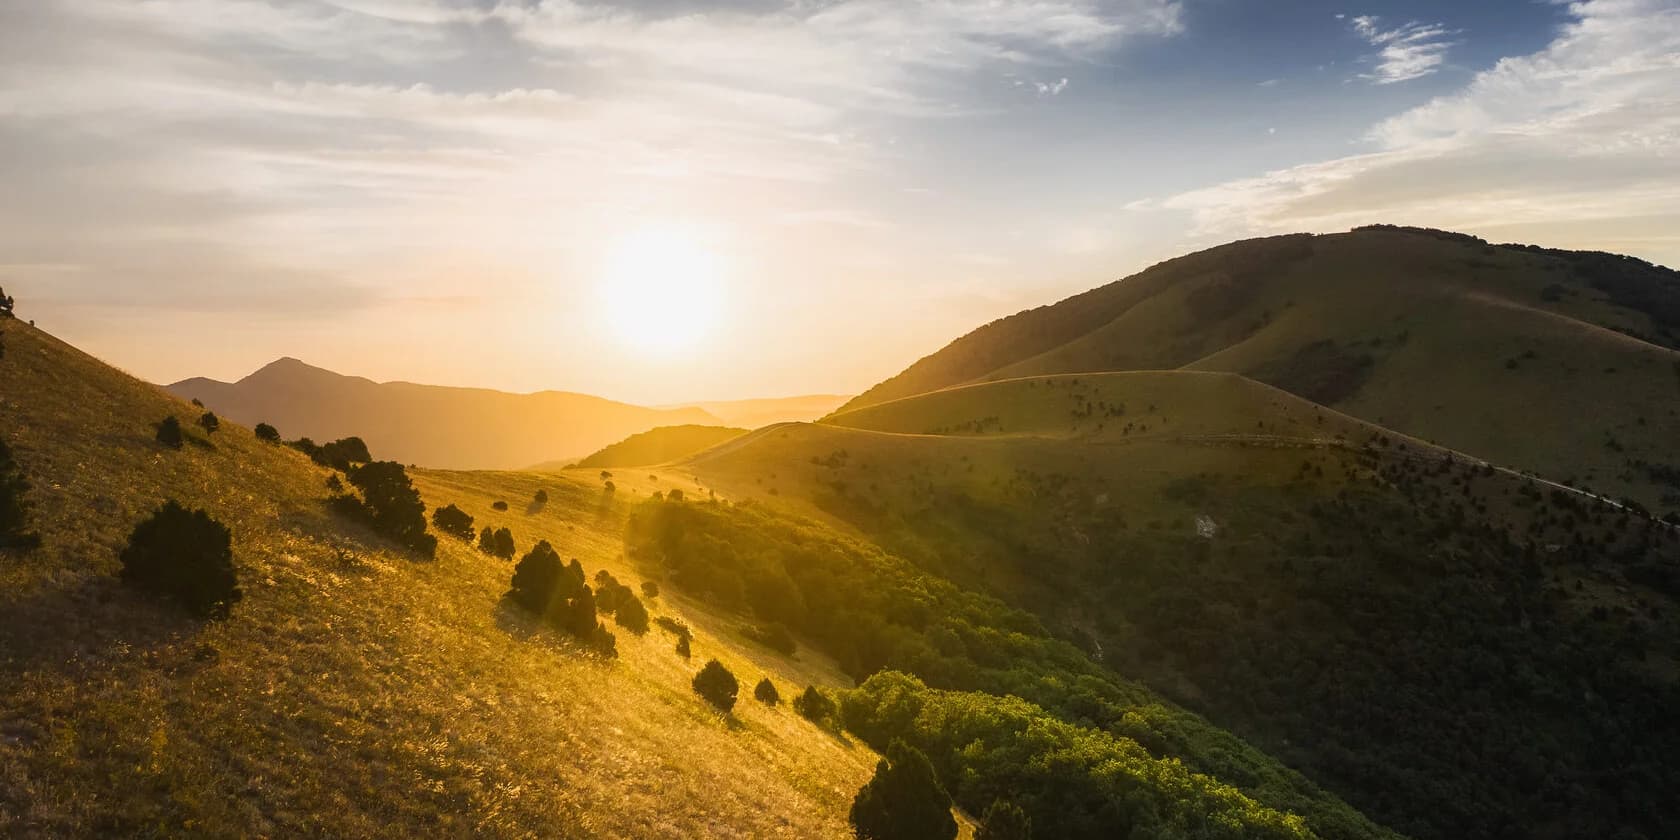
x: 657, y: 446
x: 1463, y: 347
x: 354, y: 691
x: 1024, y: 497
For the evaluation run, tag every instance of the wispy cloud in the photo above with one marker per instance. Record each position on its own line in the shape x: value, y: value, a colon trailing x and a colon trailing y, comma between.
x: 1405, y: 52
x: 1577, y: 142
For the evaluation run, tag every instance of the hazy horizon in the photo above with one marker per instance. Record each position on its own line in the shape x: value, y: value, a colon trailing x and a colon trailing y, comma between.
x: 668, y: 202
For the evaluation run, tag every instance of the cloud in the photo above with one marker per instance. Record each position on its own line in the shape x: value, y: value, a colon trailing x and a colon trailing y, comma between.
x: 1051, y: 88
x: 1409, y: 51
x: 1577, y: 143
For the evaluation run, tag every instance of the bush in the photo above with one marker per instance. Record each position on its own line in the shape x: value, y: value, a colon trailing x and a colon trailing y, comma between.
x: 650, y: 590
x: 684, y: 650
x: 453, y: 521
x: 717, y: 685
x: 674, y: 626
x: 340, y: 454
x: 498, y: 505
x: 540, y: 499
x: 1004, y: 821
x: 14, y: 509
x: 904, y: 801
x: 184, y: 555
x: 631, y: 614
x: 169, y: 432
x: 814, y: 706
x: 267, y: 433
x: 542, y: 583
x: 209, y: 422
x: 765, y: 692
x: 392, y: 506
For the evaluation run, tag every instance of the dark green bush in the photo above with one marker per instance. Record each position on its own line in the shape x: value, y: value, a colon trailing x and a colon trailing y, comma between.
x: 717, y: 685
x: 904, y: 801
x: 453, y: 521
x: 813, y: 705
x: 267, y: 433
x: 14, y: 508
x: 185, y: 556
x: 391, y: 505
x: 765, y: 692
x: 542, y: 583
x: 169, y: 432
x: 650, y: 590
x: 684, y: 650
x: 498, y: 505
x: 209, y: 422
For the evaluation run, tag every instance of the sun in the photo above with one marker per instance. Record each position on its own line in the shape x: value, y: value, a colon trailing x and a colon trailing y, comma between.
x: 662, y: 289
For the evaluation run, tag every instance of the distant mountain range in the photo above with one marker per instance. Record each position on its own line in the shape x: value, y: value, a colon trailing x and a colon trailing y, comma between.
x: 459, y: 428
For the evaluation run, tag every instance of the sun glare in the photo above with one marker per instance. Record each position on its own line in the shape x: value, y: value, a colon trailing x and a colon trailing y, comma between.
x: 662, y: 289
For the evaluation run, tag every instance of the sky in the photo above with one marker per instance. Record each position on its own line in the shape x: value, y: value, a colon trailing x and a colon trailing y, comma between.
x: 673, y: 200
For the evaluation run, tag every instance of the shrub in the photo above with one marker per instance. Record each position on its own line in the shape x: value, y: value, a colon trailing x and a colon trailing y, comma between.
x: 814, y: 706
x: 184, y: 555
x: 717, y: 686
x: 453, y: 521
x: 683, y: 648
x: 487, y: 541
x: 610, y: 487
x: 541, y: 498
x: 650, y: 590
x: 631, y: 614
x: 209, y: 422
x: 169, y: 432
x: 765, y: 692
x: 578, y: 618
x: 392, y: 506
x: 904, y: 801
x: 541, y: 582
x: 1004, y: 821
x: 14, y: 509
x: 504, y: 547
x: 498, y: 505
x: 267, y: 433
x: 674, y: 626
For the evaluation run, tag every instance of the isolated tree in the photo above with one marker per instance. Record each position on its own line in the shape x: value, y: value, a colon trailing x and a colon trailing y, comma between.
x: 1004, y: 821
x: 498, y: 505
x: 169, y: 432
x: 184, y: 555
x: 904, y: 801
x: 650, y: 590
x: 813, y: 705
x: 674, y: 495
x: 765, y: 692
x: 606, y: 476
x: 14, y: 509
x: 541, y: 498
x: 209, y: 422
x: 717, y: 685
x: 267, y: 433
x: 683, y: 649
x: 453, y: 521
x: 537, y: 579
x: 610, y: 488
x: 392, y: 505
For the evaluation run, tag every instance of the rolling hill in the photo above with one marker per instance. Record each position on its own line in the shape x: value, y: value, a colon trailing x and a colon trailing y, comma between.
x: 449, y: 428
x: 751, y: 414
x: 1456, y: 649
x: 658, y: 446
x: 1562, y: 363
x: 355, y: 691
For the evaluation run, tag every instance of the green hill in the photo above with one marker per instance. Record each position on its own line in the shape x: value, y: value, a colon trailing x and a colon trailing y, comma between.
x: 658, y: 446
x: 1455, y: 649
x: 355, y: 691
x: 1563, y: 363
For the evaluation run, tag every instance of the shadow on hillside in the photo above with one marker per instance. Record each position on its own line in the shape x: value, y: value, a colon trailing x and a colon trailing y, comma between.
x: 87, y: 623
x: 535, y: 507
x: 522, y: 626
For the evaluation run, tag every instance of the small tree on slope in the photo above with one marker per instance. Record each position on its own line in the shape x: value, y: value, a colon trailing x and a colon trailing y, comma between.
x: 904, y: 801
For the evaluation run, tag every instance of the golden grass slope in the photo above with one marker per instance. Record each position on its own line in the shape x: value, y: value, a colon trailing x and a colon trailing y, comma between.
x: 1516, y: 356
x: 354, y: 692
x: 658, y: 446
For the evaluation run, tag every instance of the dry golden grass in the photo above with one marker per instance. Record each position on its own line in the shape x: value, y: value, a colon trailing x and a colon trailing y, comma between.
x: 355, y: 691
